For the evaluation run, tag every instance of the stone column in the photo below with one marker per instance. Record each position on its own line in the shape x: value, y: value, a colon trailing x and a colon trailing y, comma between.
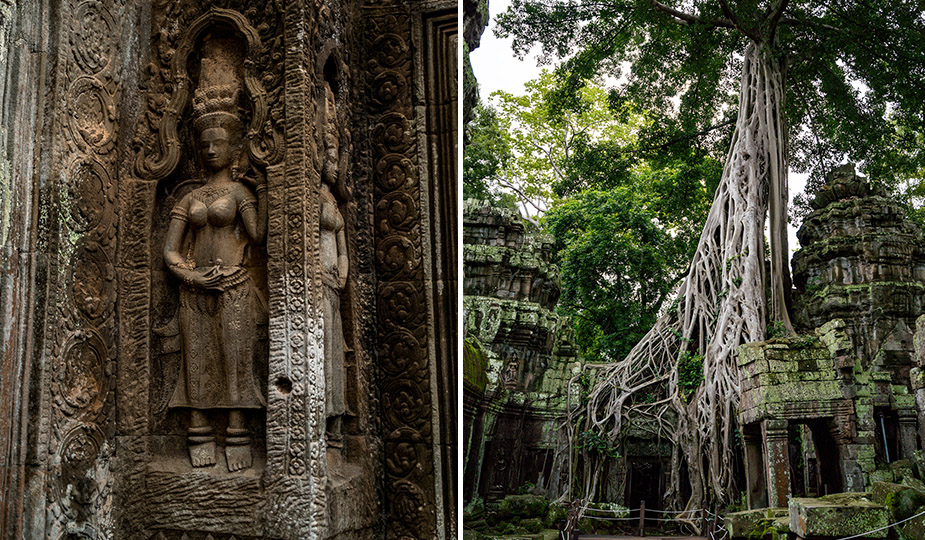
x: 908, y: 425
x: 755, y: 467
x: 917, y: 375
x: 778, y: 461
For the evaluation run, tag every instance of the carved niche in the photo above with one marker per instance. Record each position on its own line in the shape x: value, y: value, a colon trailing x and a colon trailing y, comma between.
x: 297, y: 481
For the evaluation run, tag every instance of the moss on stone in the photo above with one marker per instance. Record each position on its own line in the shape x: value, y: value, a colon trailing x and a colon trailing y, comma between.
x: 837, y: 516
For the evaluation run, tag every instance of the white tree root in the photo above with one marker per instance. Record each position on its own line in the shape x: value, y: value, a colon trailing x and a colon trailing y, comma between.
x: 721, y: 305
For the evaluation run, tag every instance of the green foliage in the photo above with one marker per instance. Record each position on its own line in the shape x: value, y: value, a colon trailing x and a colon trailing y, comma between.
x: 557, y: 513
x: 777, y: 329
x: 690, y: 373
x: 854, y: 85
x: 764, y: 529
x: 522, y: 507
x: 487, y: 152
x: 592, y: 442
x: 622, y: 251
x: 544, y: 138
x: 526, y: 488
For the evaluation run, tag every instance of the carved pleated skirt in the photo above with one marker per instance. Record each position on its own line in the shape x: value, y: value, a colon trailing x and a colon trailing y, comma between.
x: 335, y: 372
x: 218, y: 340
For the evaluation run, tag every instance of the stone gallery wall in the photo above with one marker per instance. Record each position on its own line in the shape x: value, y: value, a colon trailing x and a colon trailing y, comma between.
x: 519, y: 355
x: 165, y: 379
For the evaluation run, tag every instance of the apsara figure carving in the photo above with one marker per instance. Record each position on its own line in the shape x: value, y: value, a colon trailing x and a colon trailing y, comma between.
x: 334, y: 268
x: 220, y: 305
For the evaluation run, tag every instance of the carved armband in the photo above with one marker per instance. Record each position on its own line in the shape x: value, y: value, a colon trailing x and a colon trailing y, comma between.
x: 245, y: 204
x: 180, y: 213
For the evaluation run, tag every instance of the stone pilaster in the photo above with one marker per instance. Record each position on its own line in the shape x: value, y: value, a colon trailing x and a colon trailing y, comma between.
x: 778, y: 461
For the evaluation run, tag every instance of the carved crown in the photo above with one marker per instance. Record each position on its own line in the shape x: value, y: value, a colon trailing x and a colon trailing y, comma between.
x: 215, y: 106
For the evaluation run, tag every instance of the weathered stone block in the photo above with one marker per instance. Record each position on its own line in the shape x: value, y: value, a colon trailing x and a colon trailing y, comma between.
x: 902, y: 468
x: 919, y: 341
x: 881, y: 475
x: 757, y: 523
x: 917, y: 378
x: 914, y: 529
x: 881, y: 376
x: 906, y: 401
x: 837, y: 516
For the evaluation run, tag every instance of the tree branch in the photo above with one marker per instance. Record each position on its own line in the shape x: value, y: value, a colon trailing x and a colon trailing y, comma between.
x: 776, y: 14
x: 727, y: 11
x: 687, y: 18
x: 688, y: 136
x: 555, y: 168
x: 524, y: 199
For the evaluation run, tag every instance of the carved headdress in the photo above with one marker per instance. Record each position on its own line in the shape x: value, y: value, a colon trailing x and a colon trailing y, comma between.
x: 216, y: 106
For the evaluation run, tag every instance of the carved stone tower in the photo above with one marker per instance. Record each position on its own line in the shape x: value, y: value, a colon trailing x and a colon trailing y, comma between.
x: 228, y: 277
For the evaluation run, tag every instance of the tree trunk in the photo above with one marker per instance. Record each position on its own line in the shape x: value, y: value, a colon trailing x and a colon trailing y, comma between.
x: 722, y: 303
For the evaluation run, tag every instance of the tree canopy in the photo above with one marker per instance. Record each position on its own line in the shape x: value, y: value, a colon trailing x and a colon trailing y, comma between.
x: 854, y: 71
x: 624, y: 247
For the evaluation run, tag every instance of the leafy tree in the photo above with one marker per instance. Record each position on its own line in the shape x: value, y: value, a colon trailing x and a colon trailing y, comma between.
x: 544, y: 137
x: 622, y: 251
x: 798, y: 83
x: 487, y: 153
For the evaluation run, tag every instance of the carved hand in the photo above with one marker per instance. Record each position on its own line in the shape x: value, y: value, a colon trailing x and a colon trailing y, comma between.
x: 253, y: 179
x: 210, y: 279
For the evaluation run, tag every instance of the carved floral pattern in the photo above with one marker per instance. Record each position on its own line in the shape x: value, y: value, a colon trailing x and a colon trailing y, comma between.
x: 79, y: 418
x: 406, y: 396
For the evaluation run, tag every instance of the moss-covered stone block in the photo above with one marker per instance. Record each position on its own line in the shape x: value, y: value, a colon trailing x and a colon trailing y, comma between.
x: 833, y: 336
x: 522, y: 507
x: 914, y: 483
x: 881, y: 475
x: 917, y: 378
x: 470, y: 534
x: 750, y: 352
x: 902, y: 468
x: 782, y: 366
x: 906, y: 401
x: 918, y: 461
x: 837, y: 516
x: 918, y: 341
x: 805, y: 391
x: 900, y: 499
x: 756, y: 524
x: 914, y: 529
x: 532, y: 525
x: 881, y: 376
x: 904, y: 502
x: 556, y: 513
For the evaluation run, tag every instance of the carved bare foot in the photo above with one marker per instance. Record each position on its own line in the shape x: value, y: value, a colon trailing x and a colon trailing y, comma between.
x: 238, y: 457
x: 202, y: 455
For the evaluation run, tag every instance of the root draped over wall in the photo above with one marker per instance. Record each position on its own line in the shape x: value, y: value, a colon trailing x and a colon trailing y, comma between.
x: 721, y: 305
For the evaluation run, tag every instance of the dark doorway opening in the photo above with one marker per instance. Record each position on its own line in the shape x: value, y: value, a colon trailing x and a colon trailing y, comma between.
x: 646, y: 482
x: 827, y: 455
x: 755, y: 466
x: 887, y: 434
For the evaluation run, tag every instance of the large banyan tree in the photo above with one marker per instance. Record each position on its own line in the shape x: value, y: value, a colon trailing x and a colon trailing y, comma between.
x: 817, y: 82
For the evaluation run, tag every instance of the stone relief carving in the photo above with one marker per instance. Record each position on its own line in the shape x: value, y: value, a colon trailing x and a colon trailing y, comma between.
x: 77, y: 421
x: 406, y: 395
x: 209, y: 232
x: 334, y: 268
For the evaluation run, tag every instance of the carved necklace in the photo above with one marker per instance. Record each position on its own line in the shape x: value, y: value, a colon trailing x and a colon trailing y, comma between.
x: 207, y: 194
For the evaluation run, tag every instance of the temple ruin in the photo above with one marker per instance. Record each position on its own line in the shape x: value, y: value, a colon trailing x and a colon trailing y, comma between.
x: 518, y: 359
